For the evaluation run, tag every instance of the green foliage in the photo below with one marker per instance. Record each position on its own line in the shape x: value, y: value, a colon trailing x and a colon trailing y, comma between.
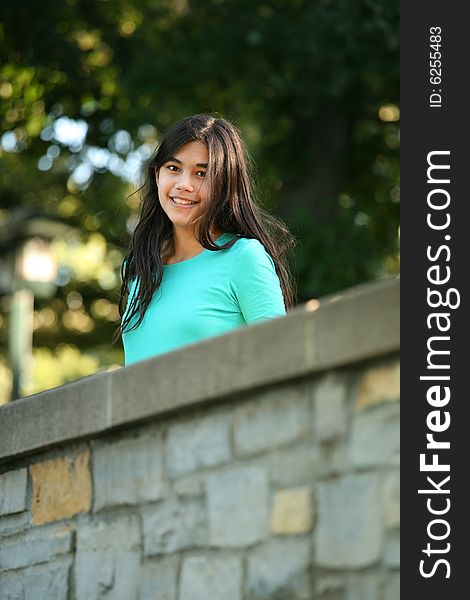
x: 303, y: 80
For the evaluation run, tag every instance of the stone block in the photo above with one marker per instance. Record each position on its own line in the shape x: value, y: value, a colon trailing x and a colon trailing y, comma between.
x: 237, y: 506
x: 15, y: 523
x: 274, y: 418
x: 334, y: 460
x: 331, y: 595
x: 61, y: 487
x: 211, y: 577
x: 363, y: 586
x: 294, y: 466
x: 392, y: 586
x: 391, y: 499
x: 173, y: 525
x: 107, y: 558
x: 158, y: 580
x: 379, y: 384
x: 128, y: 471
x: 37, y: 545
x: 349, y: 531
x: 329, y: 416
x: 13, y: 491
x: 198, y: 443
x: 329, y: 585
x: 375, y: 437
x: 392, y: 551
x: 41, y: 582
x: 280, y: 569
x: 189, y: 485
x: 292, y: 511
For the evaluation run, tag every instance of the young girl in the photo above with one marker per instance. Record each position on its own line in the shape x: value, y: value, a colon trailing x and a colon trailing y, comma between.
x: 204, y: 258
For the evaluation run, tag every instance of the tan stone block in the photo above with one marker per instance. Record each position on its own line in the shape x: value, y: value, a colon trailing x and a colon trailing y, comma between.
x: 379, y: 384
x: 292, y: 511
x: 61, y: 487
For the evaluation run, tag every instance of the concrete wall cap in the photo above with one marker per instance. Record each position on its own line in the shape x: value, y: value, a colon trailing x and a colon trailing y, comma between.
x: 344, y: 328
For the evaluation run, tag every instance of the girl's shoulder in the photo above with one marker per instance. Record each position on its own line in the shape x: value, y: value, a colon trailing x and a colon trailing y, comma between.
x: 249, y: 253
x: 242, y: 244
x: 249, y: 247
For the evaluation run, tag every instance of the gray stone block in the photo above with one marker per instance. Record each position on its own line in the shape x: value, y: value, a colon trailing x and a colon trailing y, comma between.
x: 273, y: 418
x: 329, y: 415
x: 375, y: 437
x: 392, y: 551
x: 37, y: 545
x: 391, y: 498
x: 211, y: 577
x: 237, y: 506
x: 333, y: 460
x: 158, y: 580
x: 329, y: 585
x: 107, y: 559
x: 172, y: 526
x: 128, y: 471
x: 15, y: 523
x: 189, y: 485
x: 363, y: 586
x: 331, y: 595
x: 288, y: 467
x: 349, y: 531
x: 198, y: 443
x: 13, y: 491
x: 280, y: 569
x: 392, y: 587
x: 12, y: 585
x: 41, y: 582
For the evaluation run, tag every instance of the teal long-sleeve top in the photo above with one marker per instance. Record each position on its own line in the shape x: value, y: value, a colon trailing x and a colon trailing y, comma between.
x: 209, y: 294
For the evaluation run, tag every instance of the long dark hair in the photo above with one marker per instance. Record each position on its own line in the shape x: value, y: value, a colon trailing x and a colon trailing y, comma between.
x: 231, y: 208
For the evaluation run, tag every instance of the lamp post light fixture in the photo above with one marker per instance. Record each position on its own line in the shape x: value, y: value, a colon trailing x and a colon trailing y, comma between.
x: 27, y: 269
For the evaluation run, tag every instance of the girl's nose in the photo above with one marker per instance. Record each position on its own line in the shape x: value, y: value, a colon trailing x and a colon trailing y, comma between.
x: 184, y: 182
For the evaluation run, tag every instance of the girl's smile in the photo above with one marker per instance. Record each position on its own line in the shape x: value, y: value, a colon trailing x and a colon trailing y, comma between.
x: 182, y: 202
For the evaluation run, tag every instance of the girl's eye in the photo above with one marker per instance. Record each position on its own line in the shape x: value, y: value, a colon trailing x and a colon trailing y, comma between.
x: 172, y: 168
x: 201, y: 173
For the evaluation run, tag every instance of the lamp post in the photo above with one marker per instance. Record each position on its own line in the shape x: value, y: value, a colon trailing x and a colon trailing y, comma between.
x: 27, y: 269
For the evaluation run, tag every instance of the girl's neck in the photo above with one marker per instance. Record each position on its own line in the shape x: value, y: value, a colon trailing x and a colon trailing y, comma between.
x: 184, y: 245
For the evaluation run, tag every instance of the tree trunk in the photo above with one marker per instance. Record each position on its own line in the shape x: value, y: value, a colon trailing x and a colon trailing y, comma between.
x: 313, y: 196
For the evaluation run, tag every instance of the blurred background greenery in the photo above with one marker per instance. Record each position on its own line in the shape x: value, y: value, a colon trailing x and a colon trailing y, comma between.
x: 87, y: 87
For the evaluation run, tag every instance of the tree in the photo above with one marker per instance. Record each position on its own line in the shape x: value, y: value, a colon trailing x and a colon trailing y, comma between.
x: 305, y: 82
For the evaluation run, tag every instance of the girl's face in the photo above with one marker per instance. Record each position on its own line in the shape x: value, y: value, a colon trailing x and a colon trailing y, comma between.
x: 182, y: 187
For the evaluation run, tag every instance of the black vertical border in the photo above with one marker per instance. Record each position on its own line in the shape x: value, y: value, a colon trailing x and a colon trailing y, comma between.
x: 426, y: 129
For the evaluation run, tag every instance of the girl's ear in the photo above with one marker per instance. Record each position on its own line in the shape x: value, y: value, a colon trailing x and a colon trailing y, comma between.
x: 156, y: 170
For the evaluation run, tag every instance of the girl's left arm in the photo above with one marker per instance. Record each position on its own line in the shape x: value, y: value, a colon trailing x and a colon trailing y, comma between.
x: 255, y: 284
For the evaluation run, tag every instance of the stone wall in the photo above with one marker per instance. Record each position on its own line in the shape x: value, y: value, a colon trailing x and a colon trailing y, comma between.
x: 258, y: 465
